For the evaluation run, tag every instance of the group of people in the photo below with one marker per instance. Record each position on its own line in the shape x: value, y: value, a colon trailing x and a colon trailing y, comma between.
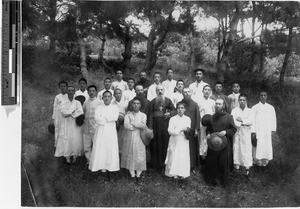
x: 191, y: 126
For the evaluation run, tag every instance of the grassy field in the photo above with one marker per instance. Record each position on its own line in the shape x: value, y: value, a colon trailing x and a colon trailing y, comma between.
x: 57, y: 184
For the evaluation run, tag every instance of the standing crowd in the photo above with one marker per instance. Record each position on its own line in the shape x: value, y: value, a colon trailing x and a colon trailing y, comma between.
x: 167, y: 126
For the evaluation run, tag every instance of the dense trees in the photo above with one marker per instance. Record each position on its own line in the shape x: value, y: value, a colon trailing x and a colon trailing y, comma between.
x: 68, y: 24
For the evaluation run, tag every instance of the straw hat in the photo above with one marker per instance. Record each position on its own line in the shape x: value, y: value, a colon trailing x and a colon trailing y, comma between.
x: 146, y: 136
x: 216, y: 142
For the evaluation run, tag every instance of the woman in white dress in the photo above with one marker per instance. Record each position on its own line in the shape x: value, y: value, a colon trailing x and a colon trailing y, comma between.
x: 69, y: 142
x: 105, y: 152
x: 178, y: 154
x: 134, y: 150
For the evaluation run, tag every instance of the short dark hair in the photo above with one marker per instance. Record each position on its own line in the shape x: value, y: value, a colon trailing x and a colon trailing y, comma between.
x: 61, y: 82
x: 219, y: 82
x: 181, y: 103
x: 106, y: 92
x: 168, y: 70
x: 199, y: 69
x: 107, y: 79
x: 131, y: 79
x: 136, y: 98
x: 180, y: 80
x: 120, y: 70
x: 243, y: 95
x: 118, y: 90
x: 82, y: 79
x: 235, y: 82
x: 206, y: 86
x: 91, y: 86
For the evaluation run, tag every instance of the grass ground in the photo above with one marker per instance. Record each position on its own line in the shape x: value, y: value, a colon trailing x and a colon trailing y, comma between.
x: 57, y: 184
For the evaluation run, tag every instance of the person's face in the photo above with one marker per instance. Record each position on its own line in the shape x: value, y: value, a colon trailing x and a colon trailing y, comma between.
x: 156, y: 78
x: 92, y: 92
x: 236, y: 88
x: 82, y: 85
x: 119, y: 75
x: 263, y: 97
x: 199, y: 75
x: 187, y: 93
x: 118, y: 95
x: 63, y: 88
x: 179, y: 85
x: 139, y: 89
x: 107, y: 97
x: 219, y: 106
x: 107, y: 84
x: 180, y: 109
x: 143, y: 75
x: 130, y: 84
x: 206, y: 91
x: 218, y: 88
x: 170, y: 74
x: 71, y: 92
x: 136, y: 105
x: 160, y: 90
x: 242, y: 102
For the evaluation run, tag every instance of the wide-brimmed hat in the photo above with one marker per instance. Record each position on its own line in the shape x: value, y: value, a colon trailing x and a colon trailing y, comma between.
x: 51, y: 128
x: 80, y: 98
x: 146, y: 136
x: 206, y: 120
x: 216, y: 142
x: 80, y: 120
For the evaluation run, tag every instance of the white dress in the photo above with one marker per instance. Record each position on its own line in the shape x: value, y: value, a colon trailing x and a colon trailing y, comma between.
x: 242, y: 146
x: 169, y: 87
x: 134, y: 150
x: 264, y: 123
x: 105, y: 152
x: 206, y: 106
x: 178, y: 153
x: 69, y: 141
x: 57, y: 116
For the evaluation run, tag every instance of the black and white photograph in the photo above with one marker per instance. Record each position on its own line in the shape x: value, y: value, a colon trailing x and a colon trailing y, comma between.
x: 151, y: 103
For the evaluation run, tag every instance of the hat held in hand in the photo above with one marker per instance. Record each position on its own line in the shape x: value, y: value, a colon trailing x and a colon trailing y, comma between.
x: 217, y: 142
x: 80, y: 98
x: 146, y: 136
x: 80, y: 120
x: 206, y: 120
x: 51, y: 128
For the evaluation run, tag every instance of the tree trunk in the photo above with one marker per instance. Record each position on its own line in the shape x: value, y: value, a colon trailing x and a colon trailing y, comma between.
x: 192, y: 50
x: 52, y: 26
x: 151, y: 53
x: 253, y: 41
x: 127, y: 54
x: 227, y: 49
x: 83, y: 66
x: 286, y: 60
x: 261, y: 50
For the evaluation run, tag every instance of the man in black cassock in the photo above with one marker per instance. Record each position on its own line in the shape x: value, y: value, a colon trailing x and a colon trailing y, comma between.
x: 219, y: 163
x: 192, y: 111
x: 160, y: 110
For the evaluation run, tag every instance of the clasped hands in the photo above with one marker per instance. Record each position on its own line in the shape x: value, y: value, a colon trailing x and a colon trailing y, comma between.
x: 220, y: 134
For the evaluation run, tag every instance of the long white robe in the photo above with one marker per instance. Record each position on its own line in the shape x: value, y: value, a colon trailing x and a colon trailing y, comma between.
x: 105, y: 152
x: 178, y: 153
x: 242, y: 147
x: 134, y: 150
x: 197, y: 90
x: 206, y: 106
x: 169, y: 87
x: 57, y: 116
x: 264, y: 123
x: 69, y: 141
x: 88, y: 128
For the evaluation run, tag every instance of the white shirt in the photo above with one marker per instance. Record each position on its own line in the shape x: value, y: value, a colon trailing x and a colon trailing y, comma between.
x: 151, y: 92
x: 169, y: 87
x: 121, y: 105
x: 85, y: 94
x: 197, y: 90
x: 206, y: 106
x: 176, y: 97
x: 129, y: 95
x: 233, y: 100
x: 120, y: 85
